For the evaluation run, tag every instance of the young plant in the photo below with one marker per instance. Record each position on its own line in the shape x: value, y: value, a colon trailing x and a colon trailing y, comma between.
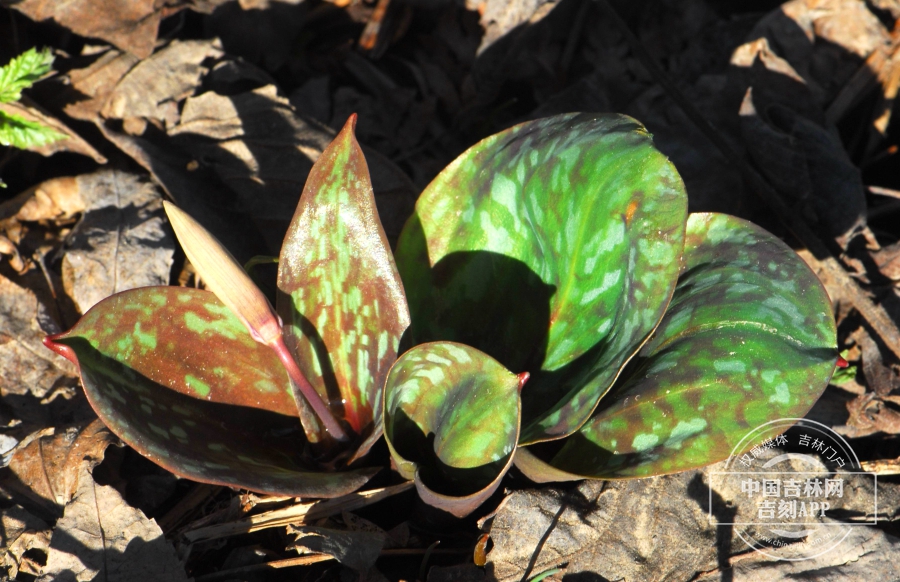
x: 17, y: 75
x: 214, y: 387
x: 560, y: 249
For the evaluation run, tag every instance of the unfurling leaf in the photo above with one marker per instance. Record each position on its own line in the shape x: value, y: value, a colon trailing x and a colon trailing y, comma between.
x: 452, y: 421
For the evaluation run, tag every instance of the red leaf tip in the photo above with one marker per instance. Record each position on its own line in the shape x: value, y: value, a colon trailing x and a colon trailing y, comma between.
x: 842, y: 363
x: 523, y: 377
x: 61, y: 349
x: 350, y: 125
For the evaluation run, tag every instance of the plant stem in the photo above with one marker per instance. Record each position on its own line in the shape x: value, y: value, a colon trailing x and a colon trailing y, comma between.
x: 312, y: 397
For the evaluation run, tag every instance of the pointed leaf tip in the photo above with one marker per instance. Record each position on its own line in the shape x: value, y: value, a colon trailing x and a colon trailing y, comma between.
x: 350, y: 125
x: 61, y: 349
x: 523, y: 378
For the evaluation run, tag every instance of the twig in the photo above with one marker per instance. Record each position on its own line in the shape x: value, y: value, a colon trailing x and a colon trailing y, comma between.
x: 310, y: 559
x: 300, y: 513
x: 882, y: 466
x: 889, y: 192
x: 196, y: 497
x: 874, y: 314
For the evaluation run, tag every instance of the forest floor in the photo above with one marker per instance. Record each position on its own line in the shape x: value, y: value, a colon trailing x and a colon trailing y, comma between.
x: 223, y: 105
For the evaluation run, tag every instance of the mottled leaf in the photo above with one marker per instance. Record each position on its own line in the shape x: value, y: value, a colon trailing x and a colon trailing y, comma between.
x: 340, y: 296
x: 451, y: 422
x: 177, y: 376
x: 553, y: 246
x: 748, y: 338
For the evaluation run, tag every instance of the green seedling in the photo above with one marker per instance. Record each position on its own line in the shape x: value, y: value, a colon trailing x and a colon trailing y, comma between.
x: 15, y: 76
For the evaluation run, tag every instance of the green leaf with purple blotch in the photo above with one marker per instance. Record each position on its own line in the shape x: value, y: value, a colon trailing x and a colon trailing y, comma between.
x: 451, y: 418
x: 554, y: 246
x: 340, y: 295
x: 177, y: 376
x: 748, y: 338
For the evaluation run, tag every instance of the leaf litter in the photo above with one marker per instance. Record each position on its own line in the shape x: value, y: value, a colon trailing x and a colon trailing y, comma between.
x: 155, y: 106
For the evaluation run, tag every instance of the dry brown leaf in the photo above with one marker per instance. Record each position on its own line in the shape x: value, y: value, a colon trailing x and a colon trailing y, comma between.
x: 100, y: 537
x: 21, y: 531
x: 824, y: 40
x: 642, y: 529
x: 46, y: 467
x: 869, y: 414
x: 660, y: 529
x: 131, y: 25
x: 30, y: 111
x: 888, y: 261
x: 866, y: 553
x: 807, y: 163
x: 355, y: 549
x: 122, y: 242
x: 261, y: 150
x: 255, y: 143
x: 499, y: 17
x: 153, y: 88
x: 27, y: 366
x: 58, y: 198
x: 96, y: 83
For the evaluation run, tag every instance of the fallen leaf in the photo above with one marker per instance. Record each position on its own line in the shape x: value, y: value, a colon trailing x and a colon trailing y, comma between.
x: 806, y: 162
x: 255, y: 143
x: 122, y: 242
x: 28, y: 367
x: 261, y: 151
x: 867, y: 553
x: 100, y: 537
x: 499, y: 17
x: 131, y: 25
x: 30, y: 111
x: 654, y: 529
x: 355, y: 549
x: 153, y: 89
x: 881, y: 379
x: 824, y: 41
x: 888, y: 261
x: 46, y: 467
x: 642, y: 529
x: 94, y: 84
x: 21, y: 532
x: 869, y: 414
x: 57, y: 198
